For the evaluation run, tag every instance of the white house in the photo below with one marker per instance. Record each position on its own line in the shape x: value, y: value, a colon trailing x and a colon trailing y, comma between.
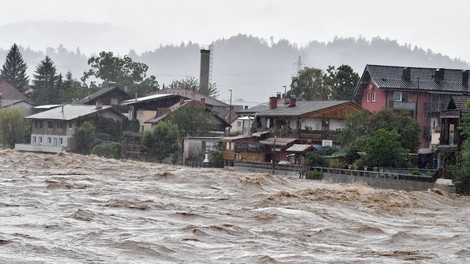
x: 52, y: 129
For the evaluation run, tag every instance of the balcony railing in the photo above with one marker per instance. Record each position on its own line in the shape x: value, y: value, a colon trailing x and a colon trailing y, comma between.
x: 407, y: 106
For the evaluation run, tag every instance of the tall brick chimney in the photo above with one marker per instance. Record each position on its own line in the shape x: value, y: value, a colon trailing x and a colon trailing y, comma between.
x: 292, y: 101
x: 272, y: 102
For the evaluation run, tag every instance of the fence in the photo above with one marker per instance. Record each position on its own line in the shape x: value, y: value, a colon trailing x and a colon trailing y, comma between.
x: 375, y: 174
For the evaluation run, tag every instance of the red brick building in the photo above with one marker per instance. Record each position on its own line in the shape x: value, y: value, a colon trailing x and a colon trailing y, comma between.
x: 423, y: 92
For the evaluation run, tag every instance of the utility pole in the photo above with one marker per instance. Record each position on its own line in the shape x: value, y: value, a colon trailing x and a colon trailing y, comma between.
x: 230, y: 112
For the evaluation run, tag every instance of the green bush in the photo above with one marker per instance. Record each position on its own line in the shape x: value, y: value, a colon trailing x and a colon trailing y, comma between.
x: 315, y: 175
x: 108, y: 150
x: 217, y: 159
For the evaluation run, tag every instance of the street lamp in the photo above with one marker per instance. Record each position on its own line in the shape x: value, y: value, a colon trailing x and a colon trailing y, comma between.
x: 230, y: 112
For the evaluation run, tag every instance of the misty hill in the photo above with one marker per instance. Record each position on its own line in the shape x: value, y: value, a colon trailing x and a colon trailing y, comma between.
x: 253, y: 68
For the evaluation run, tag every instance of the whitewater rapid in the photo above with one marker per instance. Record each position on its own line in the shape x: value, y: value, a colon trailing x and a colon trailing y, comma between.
x: 69, y: 208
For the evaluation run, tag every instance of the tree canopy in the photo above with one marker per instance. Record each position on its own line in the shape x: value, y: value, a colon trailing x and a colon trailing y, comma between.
x: 14, y: 69
x: 342, y: 82
x: 192, y: 83
x: 315, y: 85
x: 123, y: 71
x: 13, y: 126
x: 192, y: 121
x: 45, y: 82
x: 162, y: 141
x: 365, y: 123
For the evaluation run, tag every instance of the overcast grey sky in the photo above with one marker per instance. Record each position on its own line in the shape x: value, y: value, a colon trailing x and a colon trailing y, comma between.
x: 441, y: 26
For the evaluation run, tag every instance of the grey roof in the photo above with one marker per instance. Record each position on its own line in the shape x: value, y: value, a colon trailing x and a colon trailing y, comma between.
x: 299, y: 148
x: 101, y: 92
x: 420, y: 79
x: 191, y: 94
x: 68, y: 112
x: 259, y: 108
x: 146, y: 98
x: 278, y: 141
x: 5, y: 103
x: 301, y: 108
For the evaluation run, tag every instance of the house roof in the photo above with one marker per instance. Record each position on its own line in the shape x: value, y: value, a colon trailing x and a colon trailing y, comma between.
x: 299, y: 148
x: 301, y: 108
x: 460, y: 101
x: 100, y: 93
x: 69, y: 112
x: 9, y: 92
x: 259, y: 108
x: 147, y: 98
x: 191, y: 94
x: 278, y: 141
x: 235, y: 138
x: 414, y: 78
x: 6, y: 103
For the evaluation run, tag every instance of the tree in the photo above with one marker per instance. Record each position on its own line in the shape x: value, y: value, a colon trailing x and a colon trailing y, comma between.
x: 188, y: 83
x: 161, y: 141
x: 71, y: 89
x: 342, y: 82
x: 45, y: 82
x: 461, y: 171
x: 13, y: 127
x: 84, y: 138
x: 192, y: 121
x: 14, y: 70
x: 365, y: 123
x: 308, y: 84
x: 192, y: 83
x: 123, y: 71
x: 383, y: 149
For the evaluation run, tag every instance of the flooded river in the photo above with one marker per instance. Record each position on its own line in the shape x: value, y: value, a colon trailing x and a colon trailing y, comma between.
x: 68, y: 208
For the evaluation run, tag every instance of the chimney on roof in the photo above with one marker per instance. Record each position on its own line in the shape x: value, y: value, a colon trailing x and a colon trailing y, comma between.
x: 98, y: 104
x: 272, y: 102
x: 246, y: 107
x: 292, y: 101
x: 278, y: 95
x: 465, y: 78
x: 439, y: 75
x: 407, y: 74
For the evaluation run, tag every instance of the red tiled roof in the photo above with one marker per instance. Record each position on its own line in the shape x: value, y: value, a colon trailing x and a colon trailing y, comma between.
x: 9, y: 92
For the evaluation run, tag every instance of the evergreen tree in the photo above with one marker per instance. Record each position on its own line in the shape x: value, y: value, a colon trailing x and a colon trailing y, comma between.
x: 45, y: 82
x: 14, y: 69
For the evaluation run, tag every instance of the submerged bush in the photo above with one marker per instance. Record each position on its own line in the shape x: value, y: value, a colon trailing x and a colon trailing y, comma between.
x: 108, y: 150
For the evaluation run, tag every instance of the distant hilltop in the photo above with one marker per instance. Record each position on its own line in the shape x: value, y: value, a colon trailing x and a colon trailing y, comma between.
x: 253, y: 68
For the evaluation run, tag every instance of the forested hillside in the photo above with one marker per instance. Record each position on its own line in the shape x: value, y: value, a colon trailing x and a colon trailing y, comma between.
x: 253, y: 68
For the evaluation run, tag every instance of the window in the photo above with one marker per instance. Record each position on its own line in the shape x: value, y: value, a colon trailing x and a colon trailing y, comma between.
x: 368, y: 97
x: 70, y: 124
x: 398, y: 96
x: 40, y: 124
x: 49, y: 140
x: 40, y: 140
x: 34, y: 140
x: 208, y: 146
x: 50, y: 124
x: 239, y: 123
x: 374, y: 95
x: 61, y: 141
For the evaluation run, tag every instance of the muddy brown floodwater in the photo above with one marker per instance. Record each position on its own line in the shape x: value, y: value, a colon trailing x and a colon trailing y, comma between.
x: 69, y: 208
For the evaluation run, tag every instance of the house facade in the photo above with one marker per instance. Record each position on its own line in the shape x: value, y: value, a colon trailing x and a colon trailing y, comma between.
x: 310, y: 121
x: 53, y: 129
x: 422, y: 92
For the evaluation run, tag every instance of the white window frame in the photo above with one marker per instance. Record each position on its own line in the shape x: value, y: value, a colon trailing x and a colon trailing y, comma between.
x: 374, y: 96
x: 397, y: 96
x: 368, y: 97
